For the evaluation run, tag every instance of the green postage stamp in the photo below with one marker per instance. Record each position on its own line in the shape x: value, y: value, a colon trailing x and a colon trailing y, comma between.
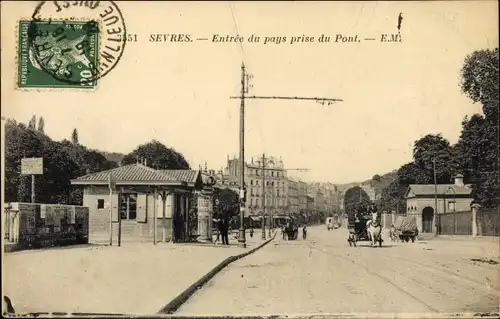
x: 58, y: 54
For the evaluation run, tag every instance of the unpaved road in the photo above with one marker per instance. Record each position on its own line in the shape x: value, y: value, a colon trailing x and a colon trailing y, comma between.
x: 324, y: 275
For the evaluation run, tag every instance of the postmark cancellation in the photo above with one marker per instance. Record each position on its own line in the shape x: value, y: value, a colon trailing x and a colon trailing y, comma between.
x: 69, y: 45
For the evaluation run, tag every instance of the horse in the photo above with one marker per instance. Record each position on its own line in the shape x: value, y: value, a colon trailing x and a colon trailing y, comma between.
x: 374, y: 228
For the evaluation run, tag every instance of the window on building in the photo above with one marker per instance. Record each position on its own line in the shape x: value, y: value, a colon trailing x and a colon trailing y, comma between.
x: 251, y: 182
x: 278, y: 192
x: 257, y: 171
x: 128, y: 206
x: 272, y: 174
x: 100, y: 204
x: 277, y: 174
x: 451, y: 206
x: 251, y: 191
x: 251, y: 202
x: 257, y: 202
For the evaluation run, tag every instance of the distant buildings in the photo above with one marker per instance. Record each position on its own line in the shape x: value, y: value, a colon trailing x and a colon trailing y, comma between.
x: 266, y: 185
x: 282, y: 194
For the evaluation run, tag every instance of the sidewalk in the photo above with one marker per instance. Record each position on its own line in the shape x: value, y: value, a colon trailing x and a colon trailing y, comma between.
x: 137, y: 278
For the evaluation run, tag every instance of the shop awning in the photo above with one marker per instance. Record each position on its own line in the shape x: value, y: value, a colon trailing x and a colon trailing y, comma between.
x: 255, y: 218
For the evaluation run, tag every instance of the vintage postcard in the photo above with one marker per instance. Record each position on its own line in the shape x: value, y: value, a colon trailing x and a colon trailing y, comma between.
x: 220, y: 159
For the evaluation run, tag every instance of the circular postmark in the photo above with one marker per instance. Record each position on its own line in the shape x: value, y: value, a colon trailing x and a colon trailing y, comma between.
x: 76, y: 42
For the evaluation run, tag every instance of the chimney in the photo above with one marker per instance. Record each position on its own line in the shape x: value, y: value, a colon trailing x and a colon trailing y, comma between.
x: 459, y: 180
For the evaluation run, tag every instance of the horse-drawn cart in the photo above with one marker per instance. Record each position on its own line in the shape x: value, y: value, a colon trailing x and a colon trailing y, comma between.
x: 406, y: 228
x: 359, y: 227
x: 291, y: 231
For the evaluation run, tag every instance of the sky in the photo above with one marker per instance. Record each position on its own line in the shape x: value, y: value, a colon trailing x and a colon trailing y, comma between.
x: 178, y: 93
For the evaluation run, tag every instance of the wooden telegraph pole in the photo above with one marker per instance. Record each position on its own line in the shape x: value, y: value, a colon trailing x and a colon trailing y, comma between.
x: 244, y: 89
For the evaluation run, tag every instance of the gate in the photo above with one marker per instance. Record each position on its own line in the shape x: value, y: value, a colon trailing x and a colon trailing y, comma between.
x: 455, y: 223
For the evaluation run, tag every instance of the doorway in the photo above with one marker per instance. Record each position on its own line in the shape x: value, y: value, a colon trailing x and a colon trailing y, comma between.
x: 427, y: 219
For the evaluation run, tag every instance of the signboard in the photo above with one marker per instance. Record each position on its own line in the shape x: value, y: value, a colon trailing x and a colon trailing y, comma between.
x: 32, y: 166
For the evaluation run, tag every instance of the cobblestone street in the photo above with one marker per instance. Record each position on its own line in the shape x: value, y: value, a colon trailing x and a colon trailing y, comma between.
x: 324, y: 275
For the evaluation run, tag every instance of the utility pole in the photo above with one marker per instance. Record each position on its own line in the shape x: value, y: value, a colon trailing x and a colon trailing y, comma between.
x: 435, y: 197
x: 263, y: 197
x: 241, y: 238
x: 244, y: 89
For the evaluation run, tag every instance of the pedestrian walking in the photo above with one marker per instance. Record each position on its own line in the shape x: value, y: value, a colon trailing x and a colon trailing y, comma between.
x: 251, y: 232
x: 304, y: 232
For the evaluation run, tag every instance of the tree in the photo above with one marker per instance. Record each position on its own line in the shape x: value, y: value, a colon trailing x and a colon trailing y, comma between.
x: 476, y: 152
x: 435, y: 147
x: 32, y: 123
x: 376, y: 177
x: 62, y: 162
x: 356, y: 198
x: 157, y: 155
x: 74, y: 137
x: 479, y: 80
x: 41, y: 125
x: 228, y: 203
x: 477, y: 148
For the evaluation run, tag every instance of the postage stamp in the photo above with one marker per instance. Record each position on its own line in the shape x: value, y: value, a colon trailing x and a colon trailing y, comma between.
x: 57, y: 54
x: 69, y: 44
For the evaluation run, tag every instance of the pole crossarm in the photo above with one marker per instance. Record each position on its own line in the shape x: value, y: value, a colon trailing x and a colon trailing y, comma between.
x: 320, y: 99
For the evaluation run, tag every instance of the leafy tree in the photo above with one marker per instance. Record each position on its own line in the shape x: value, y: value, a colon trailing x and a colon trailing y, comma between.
x: 477, y: 148
x: 479, y: 80
x: 356, y: 198
x: 158, y: 156
x: 476, y: 151
x: 41, y: 125
x: 228, y: 203
x: 376, y: 177
x: 74, y: 137
x: 432, y: 148
x: 62, y: 162
x: 32, y: 123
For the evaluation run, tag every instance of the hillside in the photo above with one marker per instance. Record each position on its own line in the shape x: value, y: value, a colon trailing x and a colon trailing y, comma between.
x: 113, y: 156
x: 378, y: 184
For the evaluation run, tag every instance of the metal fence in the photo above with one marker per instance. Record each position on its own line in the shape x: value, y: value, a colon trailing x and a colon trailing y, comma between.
x: 488, y: 221
x: 455, y: 223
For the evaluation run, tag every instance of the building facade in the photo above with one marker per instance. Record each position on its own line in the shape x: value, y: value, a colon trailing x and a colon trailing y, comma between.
x: 150, y: 204
x: 421, y: 202
x: 293, y: 200
x: 310, y: 203
x: 265, y: 181
x: 303, y: 196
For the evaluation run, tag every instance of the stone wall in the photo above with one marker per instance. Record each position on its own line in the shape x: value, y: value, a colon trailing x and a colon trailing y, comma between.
x: 34, y: 225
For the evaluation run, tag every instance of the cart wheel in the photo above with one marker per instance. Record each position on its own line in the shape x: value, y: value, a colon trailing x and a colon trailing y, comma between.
x: 407, y: 239
x: 350, y: 243
x: 380, y: 242
x: 412, y: 239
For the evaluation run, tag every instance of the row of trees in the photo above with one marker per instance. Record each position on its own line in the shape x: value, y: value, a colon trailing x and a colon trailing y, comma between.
x: 68, y: 159
x: 475, y: 155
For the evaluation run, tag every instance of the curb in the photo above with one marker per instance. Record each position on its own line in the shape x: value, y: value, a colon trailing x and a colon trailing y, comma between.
x: 178, y: 301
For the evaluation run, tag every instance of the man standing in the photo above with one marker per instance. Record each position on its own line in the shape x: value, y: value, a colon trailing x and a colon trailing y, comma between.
x: 225, y: 229
x: 220, y: 227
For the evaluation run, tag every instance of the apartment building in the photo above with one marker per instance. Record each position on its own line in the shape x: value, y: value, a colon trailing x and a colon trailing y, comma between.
x: 266, y: 183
